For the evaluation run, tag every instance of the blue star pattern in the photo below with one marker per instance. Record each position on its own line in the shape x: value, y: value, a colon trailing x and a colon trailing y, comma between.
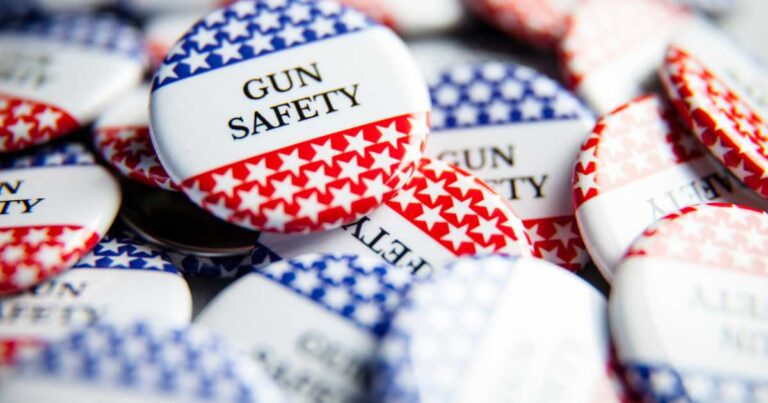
x: 496, y: 93
x: 665, y: 384
x: 59, y: 155
x: 125, y: 252
x: 249, y: 29
x: 213, y: 267
x: 94, y: 31
x: 365, y: 291
x: 180, y: 365
x: 435, y: 332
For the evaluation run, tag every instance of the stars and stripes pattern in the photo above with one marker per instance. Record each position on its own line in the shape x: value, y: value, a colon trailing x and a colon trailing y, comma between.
x: 452, y: 307
x: 459, y: 211
x: 127, y: 253
x: 317, y: 184
x: 732, y: 129
x: 540, y: 23
x: 558, y: 240
x: 365, y: 291
x: 15, y: 347
x: 637, y: 140
x: 720, y: 235
x: 142, y: 359
x: 663, y: 383
x: 476, y: 95
x: 54, y: 155
x: 103, y: 32
x: 129, y: 149
x: 249, y: 29
x: 213, y: 267
x: 25, y: 123
x: 30, y: 254
x: 601, y: 31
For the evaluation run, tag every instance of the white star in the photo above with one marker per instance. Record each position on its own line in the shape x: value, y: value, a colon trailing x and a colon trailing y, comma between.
x: 204, y: 37
x: 23, y: 109
x: 228, y: 51
x: 24, y: 276
x: 20, y: 130
x: 48, y: 119
x: 466, y: 114
x: 6, y: 237
x: 36, y: 236
x: 309, y: 207
x: 328, y: 7
x: 72, y: 239
x: 220, y: 209
x: 226, y: 183
x: 298, y: 13
x: 437, y: 167
x: 357, y: 143
x: 336, y: 271
x: 49, y: 256
x: 585, y: 182
x: 146, y: 163
x: 405, y: 197
x: 480, y: 92
x: 498, y: 111
x: 434, y: 190
x: 376, y: 188
x: 464, y: 183
x: 121, y: 260
x: 259, y: 172
x: 13, y: 254
x: 292, y: 35
x: 276, y: 218
x: 251, y: 200
x: 260, y: 43
x: 488, y: 228
x: 244, y: 8
x: 267, y: 20
x: 430, y: 216
x: 461, y: 208
x: 154, y: 262
x: 531, y: 109
x: 236, y: 29
x: 196, y: 61
x: 491, y: 204
x: 351, y: 169
x: 305, y: 281
x: 353, y: 19
x: 292, y: 162
x: 663, y: 383
x: 390, y: 134
x: 273, y: 4
x: 109, y: 246
x: 337, y: 298
x: 196, y: 194
x: 324, y: 152
x: 343, y: 198
x: 284, y: 189
x: 563, y: 232
x: 323, y: 27
x: 457, y: 235
x: 383, y: 160
x: 318, y: 179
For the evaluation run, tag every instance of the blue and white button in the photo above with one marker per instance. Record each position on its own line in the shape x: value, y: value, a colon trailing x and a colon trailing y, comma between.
x: 498, y: 329
x: 494, y: 120
x: 312, y: 322
x: 139, y: 362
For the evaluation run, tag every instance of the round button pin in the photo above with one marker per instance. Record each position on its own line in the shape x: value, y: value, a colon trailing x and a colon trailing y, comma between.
x: 443, y: 212
x: 120, y: 280
x: 638, y: 165
x: 44, y: 93
x: 687, y: 306
x: 611, y: 49
x: 122, y: 137
x: 412, y: 17
x: 723, y: 94
x: 277, y: 117
x: 540, y: 23
x: 498, y: 329
x: 339, y: 305
x: 493, y: 120
x: 138, y: 362
x: 55, y: 205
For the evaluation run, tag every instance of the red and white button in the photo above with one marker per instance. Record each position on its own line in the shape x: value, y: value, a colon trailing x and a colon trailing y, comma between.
x: 122, y: 137
x: 611, y: 49
x: 442, y: 213
x: 640, y: 164
x: 263, y: 119
x: 723, y: 95
x: 45, y: 93
x: 54, y: 207
x: 540, y: 23
x: 687, y: 307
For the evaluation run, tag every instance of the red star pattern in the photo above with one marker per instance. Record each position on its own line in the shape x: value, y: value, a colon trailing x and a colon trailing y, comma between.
x: 732, y: 130
x: 637, y: 140
x: 24, y: 123
x: 723, y: 235
x: 318, y: 184
x: 130, y: 151
x: 460, y: 211
x: 29, y: 255
x: 600, y: 31
x: 558, y: 240
x: 373, y: 9
x: 536, y: 22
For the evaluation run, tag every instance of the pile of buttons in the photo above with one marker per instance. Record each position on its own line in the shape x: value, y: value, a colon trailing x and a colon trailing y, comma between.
x: 381, y: 201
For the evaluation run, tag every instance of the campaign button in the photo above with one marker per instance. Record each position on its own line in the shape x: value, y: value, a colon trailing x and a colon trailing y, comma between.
x: 498, y: 329
x: 494, y: 120
x: 121, y: 135
x: 412, y: 17
x: 138, y: 362
x: 687, y: 309
x: 611, y: 50
x: 120, y: 280
x: 44, y: 93
x: 55, y: 205
x: 443, y: 212
x: 258, y: 113
x: 722, y: 93
x: 540, y: 23
x: 339, y: 307
x: 638, y: 165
